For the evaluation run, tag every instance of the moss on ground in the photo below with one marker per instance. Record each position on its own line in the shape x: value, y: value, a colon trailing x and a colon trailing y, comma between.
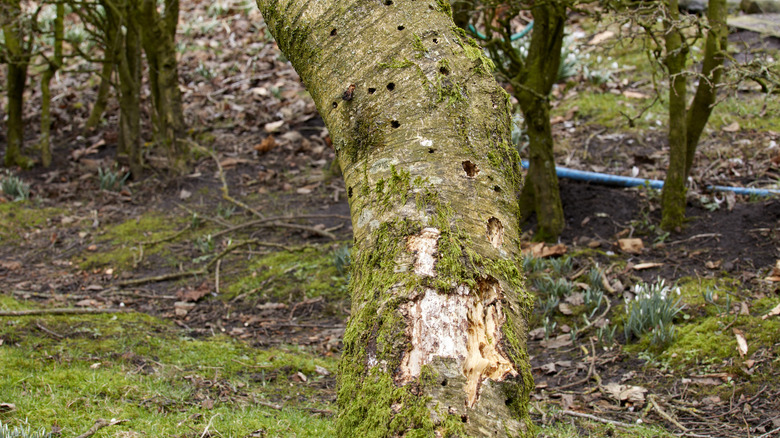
x: 138, y: 368
x: 19, y: 218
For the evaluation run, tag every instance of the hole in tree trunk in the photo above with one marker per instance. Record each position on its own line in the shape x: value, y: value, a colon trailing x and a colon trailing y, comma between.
x: 444, y: 382
x: 335, y: 104
x: 431, y: 150
x: 391, y: 86
x: 444, y: 71
x: 333, y: 32
x: 371, y: 90
x: 435, y: 41
x: 388, y: 2
x: 395, y: 124
x: 401, y: 27
x: 464, y: 418
x: 349, y: 192
x: 470, y: 168
x: 497, y: 189
x: 495, y: 232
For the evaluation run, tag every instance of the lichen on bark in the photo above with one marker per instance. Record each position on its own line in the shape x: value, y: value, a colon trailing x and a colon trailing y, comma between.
x: 420, y: 218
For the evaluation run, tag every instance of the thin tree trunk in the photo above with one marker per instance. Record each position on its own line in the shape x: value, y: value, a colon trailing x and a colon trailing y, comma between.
x: 711, y: 73
x: 533, y: 86
x: 436, y: 342
x: 101, y: 102
x: 673, y: 193
x: 129, y: 68
x: 159, y: 40
x: 18, y: 59
x: 48, y: 74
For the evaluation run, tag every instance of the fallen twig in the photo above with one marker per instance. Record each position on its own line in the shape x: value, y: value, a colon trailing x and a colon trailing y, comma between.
x: 226, y: 194
x: 599, y: 419
x: 667, y: 417
x: 49, y: 331
x: 61, y: 311
x: 208, y: 426
x: 99, y: 424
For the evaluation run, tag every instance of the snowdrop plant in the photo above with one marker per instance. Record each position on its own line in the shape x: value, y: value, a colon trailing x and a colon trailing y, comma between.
x: 652, y: 310
x: 24, y: 431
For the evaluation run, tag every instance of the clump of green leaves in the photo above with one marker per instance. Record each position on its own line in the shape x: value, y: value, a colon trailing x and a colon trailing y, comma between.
x: 24, y: 431
x: 112, y: 181
x: 342, y: 260
x: 652, y: 311
x: 14, y: 187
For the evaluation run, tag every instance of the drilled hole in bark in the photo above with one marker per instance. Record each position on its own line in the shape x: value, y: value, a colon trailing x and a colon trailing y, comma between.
x: 497, y: 189
x: 333, y: 32
x: 431, y: 150
x: 444, y: 382
x: 335, y: 104
x: 401, y: 27
x: 444, y: 71
x: 349, y: 192
x: 508, y: 401
x: 371, y: 90
x: 464, y: 418
x: 470, y: 168
x: 391, y: 86
x: 388, y: 2
x: 495, y: 232
x: 395, y: 124
x: 435, y: 41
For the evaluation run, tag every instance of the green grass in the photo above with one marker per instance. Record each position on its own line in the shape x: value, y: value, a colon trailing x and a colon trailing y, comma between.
x: 138, y: 368
x: 19, y: 218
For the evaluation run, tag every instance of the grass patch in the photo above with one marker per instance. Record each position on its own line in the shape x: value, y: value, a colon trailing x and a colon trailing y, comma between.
x: 135, y: 367
x: 20, y: 218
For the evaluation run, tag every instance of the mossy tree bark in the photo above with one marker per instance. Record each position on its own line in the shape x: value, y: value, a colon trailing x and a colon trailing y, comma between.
x: 17, y: 54
x: 54, y: 64
x: 129, y: 68
x: 532, y: 78
x: 436, y: 339
x: 686, y: 125
x: 159, y: 41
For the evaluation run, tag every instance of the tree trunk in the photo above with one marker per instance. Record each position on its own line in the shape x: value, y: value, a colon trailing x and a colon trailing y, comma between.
x: 129, y: 68
x: 711, y: 73
x: 18, y: 58
x: 435, y: 345
x: 159, y: 41
x: 533, y: 85
x: 48, y: 74
x: 109, y: 60
x: 673, y: 193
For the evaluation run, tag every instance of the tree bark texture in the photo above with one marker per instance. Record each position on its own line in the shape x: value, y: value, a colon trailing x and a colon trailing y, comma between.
x: 533, y: 86
x: 111, y: 39
x: 54, y: 64
x: 159, y: 41
x: 711, y: 74
x: 129, y: 68
x: 18, y: 58
x: 673, y: 193
x: 435, y: 345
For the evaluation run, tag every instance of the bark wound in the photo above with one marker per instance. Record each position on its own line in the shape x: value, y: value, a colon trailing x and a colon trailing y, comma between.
x: 495, y: 232
x: 460, y: 325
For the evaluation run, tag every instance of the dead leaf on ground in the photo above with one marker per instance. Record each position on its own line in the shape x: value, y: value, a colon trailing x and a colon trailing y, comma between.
x: 11, y: 265
x: 557, y: 342
x: 742, y: 346
x: 542, y: 250
x: 565, y: 309
x: 182, y: 308
x: 87, y: 303
x: 194, y: 294
x: 733, y: 127
x: 273, y: 126
x: 773, y: 312
x: 713, y: 264
x: 266, y: 145
x: 7, y: 407
x: 635, y: 395
x: 643, y: 266
x: 775, y: 275
x: 232, y: 162
x: 631, y: 246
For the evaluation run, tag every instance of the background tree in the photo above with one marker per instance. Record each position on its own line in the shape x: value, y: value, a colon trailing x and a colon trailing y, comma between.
x: 531, y: 76
x: 436, y: 339
x: 53, y: 64
x: 16, y: 54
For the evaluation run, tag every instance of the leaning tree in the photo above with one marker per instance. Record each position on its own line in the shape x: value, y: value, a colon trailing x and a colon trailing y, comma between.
x: 436, y: 342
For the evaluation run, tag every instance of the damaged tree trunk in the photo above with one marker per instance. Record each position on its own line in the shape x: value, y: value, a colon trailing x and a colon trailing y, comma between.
x: 436, y: 342
x: 129, y: 68
x: 18, y: 53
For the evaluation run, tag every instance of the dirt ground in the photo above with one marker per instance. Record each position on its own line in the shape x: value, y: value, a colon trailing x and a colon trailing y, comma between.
x: 283, y: 173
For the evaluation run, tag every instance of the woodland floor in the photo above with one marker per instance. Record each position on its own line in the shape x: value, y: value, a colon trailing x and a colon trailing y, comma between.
x: 75, y: 245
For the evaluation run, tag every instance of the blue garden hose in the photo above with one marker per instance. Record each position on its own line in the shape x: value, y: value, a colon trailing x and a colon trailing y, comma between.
x: 514, y: 37
x: 627, y: 181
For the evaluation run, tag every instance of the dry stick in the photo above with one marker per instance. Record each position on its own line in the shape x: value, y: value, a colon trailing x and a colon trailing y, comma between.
x: 99, y: 424
x: 770, y: 433
x: 47, y: 330
x: 226, y: 194
x: 276, y: 218
x: 599, y: 419
x: 216, y: 277
x: 208, y: 426
x: 60, y: 311
x: 590, y: 370
x: 666, y: 416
